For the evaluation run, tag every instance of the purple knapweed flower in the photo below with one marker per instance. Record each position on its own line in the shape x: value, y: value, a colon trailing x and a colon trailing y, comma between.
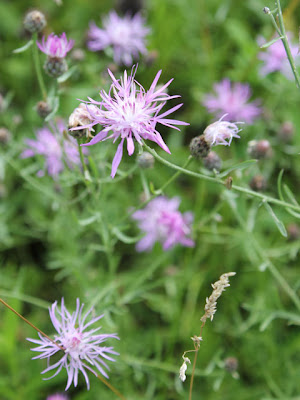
x: 126, y: 36
x: 58, y: 396
x: 56, y: 148
x: 131, y: 113
x: 82, y: 347
x: 232, y: 99
x: 275, y: 59
x: 221, y: 132
x: 162, y: 222
x: 56, y: 46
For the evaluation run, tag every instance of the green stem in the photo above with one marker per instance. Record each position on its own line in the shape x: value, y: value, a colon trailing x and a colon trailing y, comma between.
x: 86, y: 173
x: 221, y: 182
x: 281, y: 31
x: 37, y: 66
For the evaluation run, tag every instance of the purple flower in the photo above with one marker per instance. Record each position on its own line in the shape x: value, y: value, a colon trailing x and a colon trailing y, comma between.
x: 131, y: 113
x: 82, y: 348
x: 221, y: 131
x: 162, y: 222
x: 232, y: 99
x: 58, y: 396
x: 275, y: 59
x: 126, y: 36
x: 56, y: 46
x: 55, y: 148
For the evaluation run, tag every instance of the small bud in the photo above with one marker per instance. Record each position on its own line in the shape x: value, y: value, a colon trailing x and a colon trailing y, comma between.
x: 5, y: 135
x: 55, y: 66
x: 130, y: 6
x: 43, y: 109
x: 258, y: 183
x: 145, y: 160
x: 17, y: 119
x: 34, y: 21
x: 77, y: 55
x: 212, y: 161
x: 259, y: 149
x: 228, y: 182
x: 286, y: 132
x: 266, y: 10
x: 151, y: 57
x: 231, y: 364
x: 199, y: 148
x: 293, y: 231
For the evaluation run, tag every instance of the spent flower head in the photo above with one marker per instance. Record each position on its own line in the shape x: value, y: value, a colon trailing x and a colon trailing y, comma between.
x: 125, y: 35
x: 221, y: 132
x: 232, y: 99
x: 83, y: 349
x: 131, y: 113
x: 275, y: 59
x: 55, y: 148
x: 55, y: 46
x: 162, y: 222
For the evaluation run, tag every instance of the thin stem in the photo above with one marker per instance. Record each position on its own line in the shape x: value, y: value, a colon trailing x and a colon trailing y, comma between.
x: 221, y: 182
x: 285, y: 42
x: 37, y: 66
x: 30, y: 324
x: 86, y: 173
x: 193, y: 374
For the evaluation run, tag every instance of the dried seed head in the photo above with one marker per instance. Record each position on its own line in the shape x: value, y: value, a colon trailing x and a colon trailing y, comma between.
x: 199, y: 147
x: 231, y: 364
x: 34, y: 21
x: 5, y: 135
x: 286, y: 131
x: 183, y: 368
x: 145, y: 160
x: 258, y: 183
x: 55, y: 66
x: 212, y: 161
x: 260, y: 149
x: 266, y: 10
x: 80, y: 117
x: 43, y: 109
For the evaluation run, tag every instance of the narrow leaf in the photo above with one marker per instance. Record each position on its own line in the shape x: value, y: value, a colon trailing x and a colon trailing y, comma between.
x: 67, y: 74
x: 124, y: 238
x: 271, y: 42
x: 277, y: 221
x: 239, y: 166
x: 24, y: 48
x: 55, y: 105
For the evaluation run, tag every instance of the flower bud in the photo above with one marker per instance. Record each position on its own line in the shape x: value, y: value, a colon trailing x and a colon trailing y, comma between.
x: 293, y: 231
x: 199, y: 148
x: 231, y: 364
x: 5, y: 135
x: 145, y: 160
x: 34, y: 21
x: 258, y: 183
x: 77, y: 55
x: 43, y: 109
x: 131, y: 6
x: 212, y: 161
x: 259, y: 149
x: 286, y: 132
x: 55, y: 66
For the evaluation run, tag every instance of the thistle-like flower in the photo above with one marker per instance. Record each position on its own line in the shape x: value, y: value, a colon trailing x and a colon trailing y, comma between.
x: 232, y: 99
x: 221, y: 132
x: 58, y: 396
x: 82, y: 347
x: 131, y: 113
x: 126, y: 36
x: 55, y: 148
x: 162, y: 222
x: 55, y: 46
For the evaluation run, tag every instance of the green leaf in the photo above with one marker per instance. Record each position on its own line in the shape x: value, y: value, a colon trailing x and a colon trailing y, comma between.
x: 264, y: 46
x: 67, y: 74
x: 90, y: 220
x: 277, y: 221
x: 124, y: 238
x: 239, y: 166
x: 54, y: 105
x: 23, y: 48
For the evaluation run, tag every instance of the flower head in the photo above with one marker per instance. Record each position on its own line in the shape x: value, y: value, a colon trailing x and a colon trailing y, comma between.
x: 221, y: 131
x: 162, y: 222
x: 55, y: 148
x: 126, y: 36
x: 58, y: 396
x: 55, y: 46
x: 131, y: 113
x: 275, y: 59
x: 82, y: 347
x: 232, y: 99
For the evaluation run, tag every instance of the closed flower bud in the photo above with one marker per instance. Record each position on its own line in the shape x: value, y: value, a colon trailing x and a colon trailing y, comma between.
x: 199, y: 148
x: 259, y: 149
x: 293, y: 231
x: 231, y: 364
x: 43, y: 109
x: 258, y: 183
x: 5, y: 135
x: 145, y: 160
x: 212, y: 161
x: 131, y: 6
x: 55, y: 66
x: 286, y: 132
x: 77, y: 55
x: 34, y: 21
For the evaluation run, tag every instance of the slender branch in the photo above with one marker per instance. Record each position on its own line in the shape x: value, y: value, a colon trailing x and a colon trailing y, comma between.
x: 37, y: 66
